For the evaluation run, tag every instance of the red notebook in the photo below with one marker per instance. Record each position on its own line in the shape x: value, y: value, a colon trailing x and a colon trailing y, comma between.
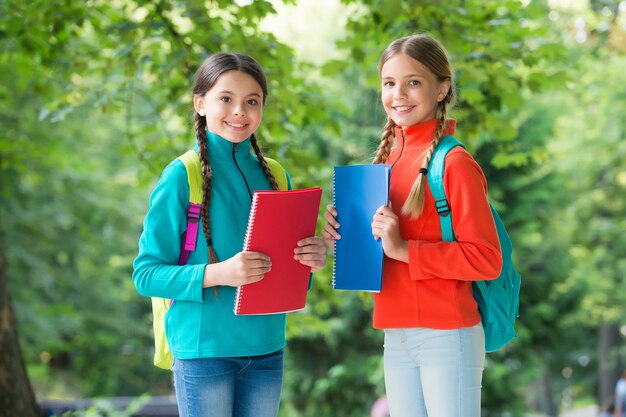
x: 278, y: 220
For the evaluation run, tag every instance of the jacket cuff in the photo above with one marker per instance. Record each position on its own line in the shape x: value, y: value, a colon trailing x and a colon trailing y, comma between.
x: 196, y: 283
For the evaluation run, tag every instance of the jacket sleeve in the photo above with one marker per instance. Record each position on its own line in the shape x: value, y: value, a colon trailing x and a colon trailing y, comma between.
x: 476, y: 253
x: 156, y: 272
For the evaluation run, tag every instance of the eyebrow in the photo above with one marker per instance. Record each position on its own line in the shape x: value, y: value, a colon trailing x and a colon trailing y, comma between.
x: 406, y: 76
x: 230, y: 92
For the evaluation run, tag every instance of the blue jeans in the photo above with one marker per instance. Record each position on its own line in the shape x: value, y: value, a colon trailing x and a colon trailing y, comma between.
x: 247, y: 386
x: 434, y: 373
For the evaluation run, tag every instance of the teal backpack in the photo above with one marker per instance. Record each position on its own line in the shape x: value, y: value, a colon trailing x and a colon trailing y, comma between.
x: 498, y: 300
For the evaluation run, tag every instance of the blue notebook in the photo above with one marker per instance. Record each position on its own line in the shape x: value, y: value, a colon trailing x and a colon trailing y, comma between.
x: 358, y: 191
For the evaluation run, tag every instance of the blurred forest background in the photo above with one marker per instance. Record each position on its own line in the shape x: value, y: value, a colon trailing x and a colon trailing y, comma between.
x: 95, y: 99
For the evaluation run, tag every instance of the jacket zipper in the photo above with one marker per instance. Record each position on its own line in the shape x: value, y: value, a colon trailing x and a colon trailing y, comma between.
x: 401, y: 150
x: 235, y: 147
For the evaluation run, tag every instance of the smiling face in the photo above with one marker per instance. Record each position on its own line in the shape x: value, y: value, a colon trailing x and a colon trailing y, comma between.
x: 233, y: 107
x: 411, y: 92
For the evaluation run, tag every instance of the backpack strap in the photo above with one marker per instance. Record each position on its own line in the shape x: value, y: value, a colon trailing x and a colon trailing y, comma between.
x: 194, y: 179
x: 435, y: 182
x: 194, y: 175
x: 191, y: 160
x: 279, y: 173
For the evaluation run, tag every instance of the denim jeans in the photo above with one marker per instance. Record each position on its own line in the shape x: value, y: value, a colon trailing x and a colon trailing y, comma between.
x: 434, y: 373
x: 229, y: 387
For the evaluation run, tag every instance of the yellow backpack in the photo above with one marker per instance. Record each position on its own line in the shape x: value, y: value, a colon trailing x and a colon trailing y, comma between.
x: 162, y: 355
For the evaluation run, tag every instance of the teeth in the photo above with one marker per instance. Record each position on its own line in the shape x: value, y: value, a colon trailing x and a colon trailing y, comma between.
x: 403, y: 108
x: 234, y: 124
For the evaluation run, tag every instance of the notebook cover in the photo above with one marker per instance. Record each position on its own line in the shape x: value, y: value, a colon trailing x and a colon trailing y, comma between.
x: 278, y: 220
x: 358, y: 191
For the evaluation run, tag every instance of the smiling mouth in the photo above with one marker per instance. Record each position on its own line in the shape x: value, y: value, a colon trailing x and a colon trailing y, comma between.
x: 403, y: 109
x: 236, y: 125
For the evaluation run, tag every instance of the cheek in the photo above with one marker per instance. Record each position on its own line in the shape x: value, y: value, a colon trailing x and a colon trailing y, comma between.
x: 215, y: 112
x: 257, y: 113
x: 436, y: 95
x: 386, y: 98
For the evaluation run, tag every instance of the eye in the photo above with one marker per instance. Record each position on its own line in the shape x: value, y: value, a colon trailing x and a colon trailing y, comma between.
x: 252, y: 102
x: 225, y: 99
x: 414, y: 82
x: 389, y: 84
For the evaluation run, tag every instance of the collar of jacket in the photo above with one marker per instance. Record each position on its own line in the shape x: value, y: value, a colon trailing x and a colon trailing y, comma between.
x: 422, y: 134
x: 220, y: 147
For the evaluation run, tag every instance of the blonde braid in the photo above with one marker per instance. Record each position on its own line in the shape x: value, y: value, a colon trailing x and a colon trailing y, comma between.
x: 386, y: 142
x: 414, y: 204
x: 200, y: 125
x: 266, y: 168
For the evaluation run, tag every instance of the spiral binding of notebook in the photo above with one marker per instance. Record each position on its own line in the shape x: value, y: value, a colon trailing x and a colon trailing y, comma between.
x: 246, y: 240
x: 246, y: 245
x: 334, y: 240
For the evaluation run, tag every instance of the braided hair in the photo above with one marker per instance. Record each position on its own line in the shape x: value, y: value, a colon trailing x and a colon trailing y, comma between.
x: 206, y: 77
x: 261, y: 157
x: 430, y: 53
x: 386, y: 142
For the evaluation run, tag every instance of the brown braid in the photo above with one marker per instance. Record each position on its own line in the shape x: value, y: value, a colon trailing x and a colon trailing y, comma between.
x: 266, y: 168
x: 414, y: 203
x: 200, y: 125
x: 386, y: 142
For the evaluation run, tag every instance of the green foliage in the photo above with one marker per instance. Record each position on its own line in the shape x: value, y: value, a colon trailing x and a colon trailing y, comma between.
x: 331, y: 347
x: 597, y: 186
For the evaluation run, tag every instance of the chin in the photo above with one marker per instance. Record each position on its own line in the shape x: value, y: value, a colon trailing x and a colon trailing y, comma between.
x: 236, y: 138
x: 399, y: 121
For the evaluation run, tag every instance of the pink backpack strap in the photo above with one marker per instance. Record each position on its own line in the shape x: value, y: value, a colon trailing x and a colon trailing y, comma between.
x: 191, y: 234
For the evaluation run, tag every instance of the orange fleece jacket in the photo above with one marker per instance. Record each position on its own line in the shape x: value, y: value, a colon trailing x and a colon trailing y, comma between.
x: 434, y: 289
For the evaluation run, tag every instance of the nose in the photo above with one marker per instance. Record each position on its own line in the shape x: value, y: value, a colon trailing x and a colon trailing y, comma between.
x: 239, y: 110
x: 399, y: 93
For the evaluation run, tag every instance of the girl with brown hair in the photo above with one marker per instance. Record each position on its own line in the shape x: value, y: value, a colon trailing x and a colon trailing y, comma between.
x: 224, y: 365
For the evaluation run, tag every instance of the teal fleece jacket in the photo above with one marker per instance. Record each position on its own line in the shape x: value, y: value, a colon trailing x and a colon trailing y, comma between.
x: 199, y: 323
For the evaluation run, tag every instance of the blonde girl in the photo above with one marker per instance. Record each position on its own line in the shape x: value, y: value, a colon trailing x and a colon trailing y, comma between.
x: 434, y: 346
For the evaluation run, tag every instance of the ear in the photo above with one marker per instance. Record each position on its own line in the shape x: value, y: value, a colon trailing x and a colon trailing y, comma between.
x: 444, y: 88
x: 198, y: 104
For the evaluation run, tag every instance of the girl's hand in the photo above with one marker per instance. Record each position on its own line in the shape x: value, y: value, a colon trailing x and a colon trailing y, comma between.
x: 243, y: 268
x: 386, y: 226
x: 329, y: 233
x: 311, y: 252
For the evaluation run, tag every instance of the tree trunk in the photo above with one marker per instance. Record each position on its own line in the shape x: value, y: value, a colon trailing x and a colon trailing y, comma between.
x: 609, y: 362
x: 16, y: 395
